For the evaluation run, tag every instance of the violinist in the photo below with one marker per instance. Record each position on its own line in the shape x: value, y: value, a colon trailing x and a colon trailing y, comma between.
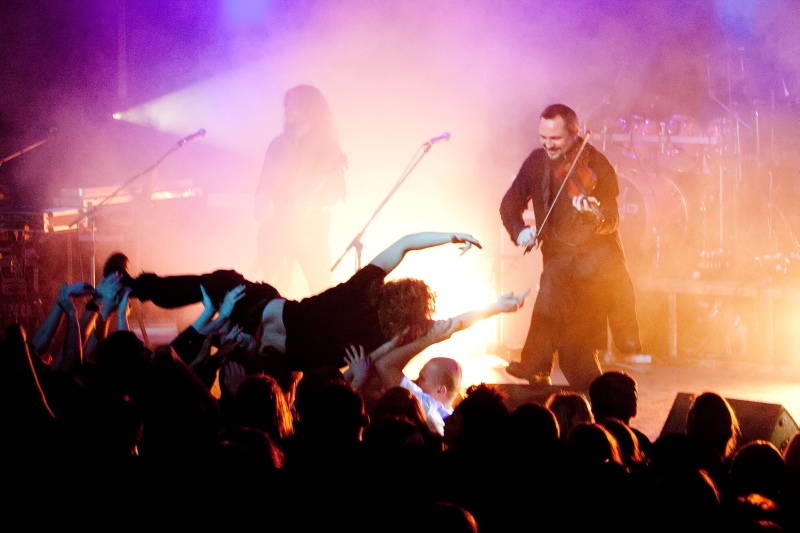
x: 585, y: 287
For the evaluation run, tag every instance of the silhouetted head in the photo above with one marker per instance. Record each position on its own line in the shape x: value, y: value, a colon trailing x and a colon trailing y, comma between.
x: 614, y: 394
x: 712, y: 424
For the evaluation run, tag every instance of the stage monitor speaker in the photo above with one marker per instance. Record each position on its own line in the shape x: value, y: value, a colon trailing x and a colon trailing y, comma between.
x: 757, y: 420
x: 518, y: 272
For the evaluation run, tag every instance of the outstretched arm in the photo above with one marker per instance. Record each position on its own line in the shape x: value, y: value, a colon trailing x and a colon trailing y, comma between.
x: 391, y: 363
x: 71, y: 354
x: 43, y: 336
x: 391, y: 257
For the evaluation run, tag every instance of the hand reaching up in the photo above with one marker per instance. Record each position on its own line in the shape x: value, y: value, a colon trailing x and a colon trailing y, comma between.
x: 233, y: 376
x: 442, y: 330
x: 208, y: 305
x: 509, y: 302
x: 359, y: 365
x: 229, y: 302
x: 80, y: 288
x: 64, y: 301
x: 109, y: 291
x: 467, y: 239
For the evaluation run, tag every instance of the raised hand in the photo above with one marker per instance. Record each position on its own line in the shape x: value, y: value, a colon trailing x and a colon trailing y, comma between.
x: 510, y: 302
x: 467, y: 239
x: 233, y: 376
x: 125, y: 294
x: 232, y: 337
x: 109, y: 289
x: 207, y: 303
x: 229, y: 302
x: 442, y: 330
x: 359, y: 364
x: 80, y: 288
x: 124, y: 310
x: 64, y: 301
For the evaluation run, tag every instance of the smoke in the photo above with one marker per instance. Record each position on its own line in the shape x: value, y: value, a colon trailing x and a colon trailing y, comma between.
x: 395, y: 74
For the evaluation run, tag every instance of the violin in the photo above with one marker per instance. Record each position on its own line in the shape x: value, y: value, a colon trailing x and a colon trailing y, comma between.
x: 574, y: 173
x: 578, y: 178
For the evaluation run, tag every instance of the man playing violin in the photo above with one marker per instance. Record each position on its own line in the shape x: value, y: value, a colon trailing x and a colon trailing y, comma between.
x: 585, y: 287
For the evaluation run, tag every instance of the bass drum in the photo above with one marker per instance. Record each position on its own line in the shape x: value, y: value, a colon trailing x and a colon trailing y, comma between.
x: 654, y: 216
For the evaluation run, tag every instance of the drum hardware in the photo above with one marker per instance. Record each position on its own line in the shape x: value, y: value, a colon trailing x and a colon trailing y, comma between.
x: 654, y: 217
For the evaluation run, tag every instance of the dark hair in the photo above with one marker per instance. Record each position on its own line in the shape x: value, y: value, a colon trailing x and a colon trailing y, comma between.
x: 614, y: 394
x: 118, y: 262
x: 567, y: 113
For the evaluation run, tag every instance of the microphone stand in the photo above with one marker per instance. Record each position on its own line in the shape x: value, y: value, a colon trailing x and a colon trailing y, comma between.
x: 356, y: 242
x: 37, y: 144
x: 90, y: 214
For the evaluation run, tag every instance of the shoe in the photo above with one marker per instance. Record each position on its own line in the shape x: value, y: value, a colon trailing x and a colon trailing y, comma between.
x: 518, y: 370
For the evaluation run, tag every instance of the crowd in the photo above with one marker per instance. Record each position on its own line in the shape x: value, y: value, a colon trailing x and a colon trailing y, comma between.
x: 103, y: 430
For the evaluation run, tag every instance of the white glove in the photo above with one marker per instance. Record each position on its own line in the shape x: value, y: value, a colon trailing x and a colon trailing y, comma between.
x: 526, y: 237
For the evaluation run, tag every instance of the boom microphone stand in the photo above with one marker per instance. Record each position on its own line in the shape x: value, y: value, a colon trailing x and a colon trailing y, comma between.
x: 91, y: 211
x: 356, y: 242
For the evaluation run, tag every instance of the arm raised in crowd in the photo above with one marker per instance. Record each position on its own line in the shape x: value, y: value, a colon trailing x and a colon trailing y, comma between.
x: 109, y: 294
x: 390, y: 363
x: 43, y: 337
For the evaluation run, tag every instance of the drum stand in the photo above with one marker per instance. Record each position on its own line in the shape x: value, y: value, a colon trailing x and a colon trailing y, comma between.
x: 718, y: 258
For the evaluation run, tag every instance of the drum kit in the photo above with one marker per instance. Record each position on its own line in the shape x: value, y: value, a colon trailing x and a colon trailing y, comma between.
x: 679, y: 180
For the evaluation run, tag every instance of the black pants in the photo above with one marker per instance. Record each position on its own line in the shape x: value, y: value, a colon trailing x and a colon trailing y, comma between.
x: 171, y: 292
x: 580, y: 296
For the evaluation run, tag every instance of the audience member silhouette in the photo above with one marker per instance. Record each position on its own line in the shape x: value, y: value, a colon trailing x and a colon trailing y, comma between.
x: 571, y: 408
x: 260, y: 403
x: 790, y: 493
x: 615, y: 394
x: 713, y: 429
x: 530, y: 452
x: 473, y: 436
x: 596, y: 481
x: 757, y: 466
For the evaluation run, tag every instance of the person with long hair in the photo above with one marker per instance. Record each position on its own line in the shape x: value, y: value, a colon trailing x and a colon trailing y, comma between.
x: 302, y: 177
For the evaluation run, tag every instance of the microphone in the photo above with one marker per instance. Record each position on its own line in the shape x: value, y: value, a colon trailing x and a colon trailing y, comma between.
x: 199, y: 133
x: 443, y: 137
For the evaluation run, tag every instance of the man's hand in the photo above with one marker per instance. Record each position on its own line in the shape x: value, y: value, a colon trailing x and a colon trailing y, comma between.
x: 233, y: 376
x: 208, y: 305
x: 526, y: 237
x: 509, y: 302
x: 232, y: 337
x: 442, y: 330
x: 467, y: 239
x: 584, y: 203
x: 64, y: 301
x: 358, y: 363
x: 228, y: 303
x: 80, y: 288
x: 109, y: 288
